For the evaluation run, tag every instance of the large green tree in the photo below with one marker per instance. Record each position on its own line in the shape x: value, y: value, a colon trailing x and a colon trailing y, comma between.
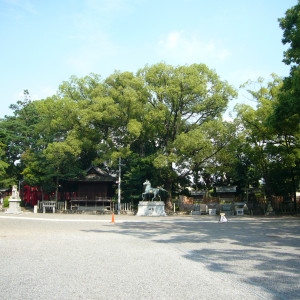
x: 257, y: 137
x: 286, y: 118
x: 290, y: 25
x: 165, y: 122
x: 4, y: 181
x: 182, y: 99
x: 20, y: 135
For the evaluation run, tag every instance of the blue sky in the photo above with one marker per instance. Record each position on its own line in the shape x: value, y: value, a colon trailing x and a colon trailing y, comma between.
x: 43, y: 43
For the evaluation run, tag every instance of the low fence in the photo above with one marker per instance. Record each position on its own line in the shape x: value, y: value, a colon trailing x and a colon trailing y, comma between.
x: 259, y: 206
x: 126, y: 206
x: 59, y: 205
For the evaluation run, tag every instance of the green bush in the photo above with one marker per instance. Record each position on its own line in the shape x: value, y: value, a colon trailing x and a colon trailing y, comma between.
x: 6, y: 202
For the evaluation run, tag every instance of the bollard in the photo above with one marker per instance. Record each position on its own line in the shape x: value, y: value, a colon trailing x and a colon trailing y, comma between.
x: 113, y: 218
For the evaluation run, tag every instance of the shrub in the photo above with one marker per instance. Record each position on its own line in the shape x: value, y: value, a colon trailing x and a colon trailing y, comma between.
x: 6, y: 202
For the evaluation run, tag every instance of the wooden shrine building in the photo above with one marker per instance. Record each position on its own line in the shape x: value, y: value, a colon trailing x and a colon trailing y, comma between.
x: 226, y: 193
x: 95, y: 189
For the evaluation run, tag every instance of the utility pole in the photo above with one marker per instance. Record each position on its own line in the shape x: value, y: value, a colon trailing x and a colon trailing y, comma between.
x: 119, y: 188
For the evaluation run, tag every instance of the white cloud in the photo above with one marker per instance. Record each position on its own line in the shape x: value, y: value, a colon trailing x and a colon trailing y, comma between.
x: 189, y: 48
x: 94, y: 50
x: 173, y: 40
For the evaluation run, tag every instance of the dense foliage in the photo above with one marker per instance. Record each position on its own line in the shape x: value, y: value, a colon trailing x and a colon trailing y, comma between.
x: 161, y: 121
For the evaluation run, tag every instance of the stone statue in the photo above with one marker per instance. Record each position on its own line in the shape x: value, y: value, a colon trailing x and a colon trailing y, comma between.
x: 151, y: 208
x: 15, y: 193
x: 151, y: 191
x: 14, y: 202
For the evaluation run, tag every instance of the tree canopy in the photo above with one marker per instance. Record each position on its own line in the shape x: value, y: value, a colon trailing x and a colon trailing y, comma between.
x: 160, y: 117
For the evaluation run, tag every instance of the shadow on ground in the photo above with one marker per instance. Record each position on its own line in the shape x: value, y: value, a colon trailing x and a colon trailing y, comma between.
x: 258, y: 253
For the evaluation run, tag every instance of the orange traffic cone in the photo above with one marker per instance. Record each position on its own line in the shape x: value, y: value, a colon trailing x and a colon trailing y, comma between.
x: 113, y: 218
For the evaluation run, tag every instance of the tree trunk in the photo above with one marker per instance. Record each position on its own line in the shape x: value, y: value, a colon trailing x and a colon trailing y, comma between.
x: 294, y: 189
x: 169, y: 202
x: 56, y: 191
x: 268, y: 191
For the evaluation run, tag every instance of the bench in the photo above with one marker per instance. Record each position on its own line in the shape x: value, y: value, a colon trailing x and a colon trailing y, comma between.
x: 49, y: 204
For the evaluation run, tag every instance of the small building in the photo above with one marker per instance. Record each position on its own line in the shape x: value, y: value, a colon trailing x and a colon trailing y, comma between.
x: 93, y: 191
x: 94, y: 185
x: 198, y: 195
x: 226, y: 193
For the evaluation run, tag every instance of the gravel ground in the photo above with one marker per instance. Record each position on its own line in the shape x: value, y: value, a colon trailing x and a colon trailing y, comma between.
x: 57, y: 256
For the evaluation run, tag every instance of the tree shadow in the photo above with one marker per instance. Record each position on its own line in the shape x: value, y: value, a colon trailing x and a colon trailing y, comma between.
x: 260, y: 254
x: 279, y: 272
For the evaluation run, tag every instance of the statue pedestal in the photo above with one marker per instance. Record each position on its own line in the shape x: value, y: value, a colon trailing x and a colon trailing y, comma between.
x: 151, y: 208
x: 14, y: 206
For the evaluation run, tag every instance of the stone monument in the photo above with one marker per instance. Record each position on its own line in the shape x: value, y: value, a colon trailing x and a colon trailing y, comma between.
x: 151, y: 208
x: 269, y: 211
x: 14, y: 202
